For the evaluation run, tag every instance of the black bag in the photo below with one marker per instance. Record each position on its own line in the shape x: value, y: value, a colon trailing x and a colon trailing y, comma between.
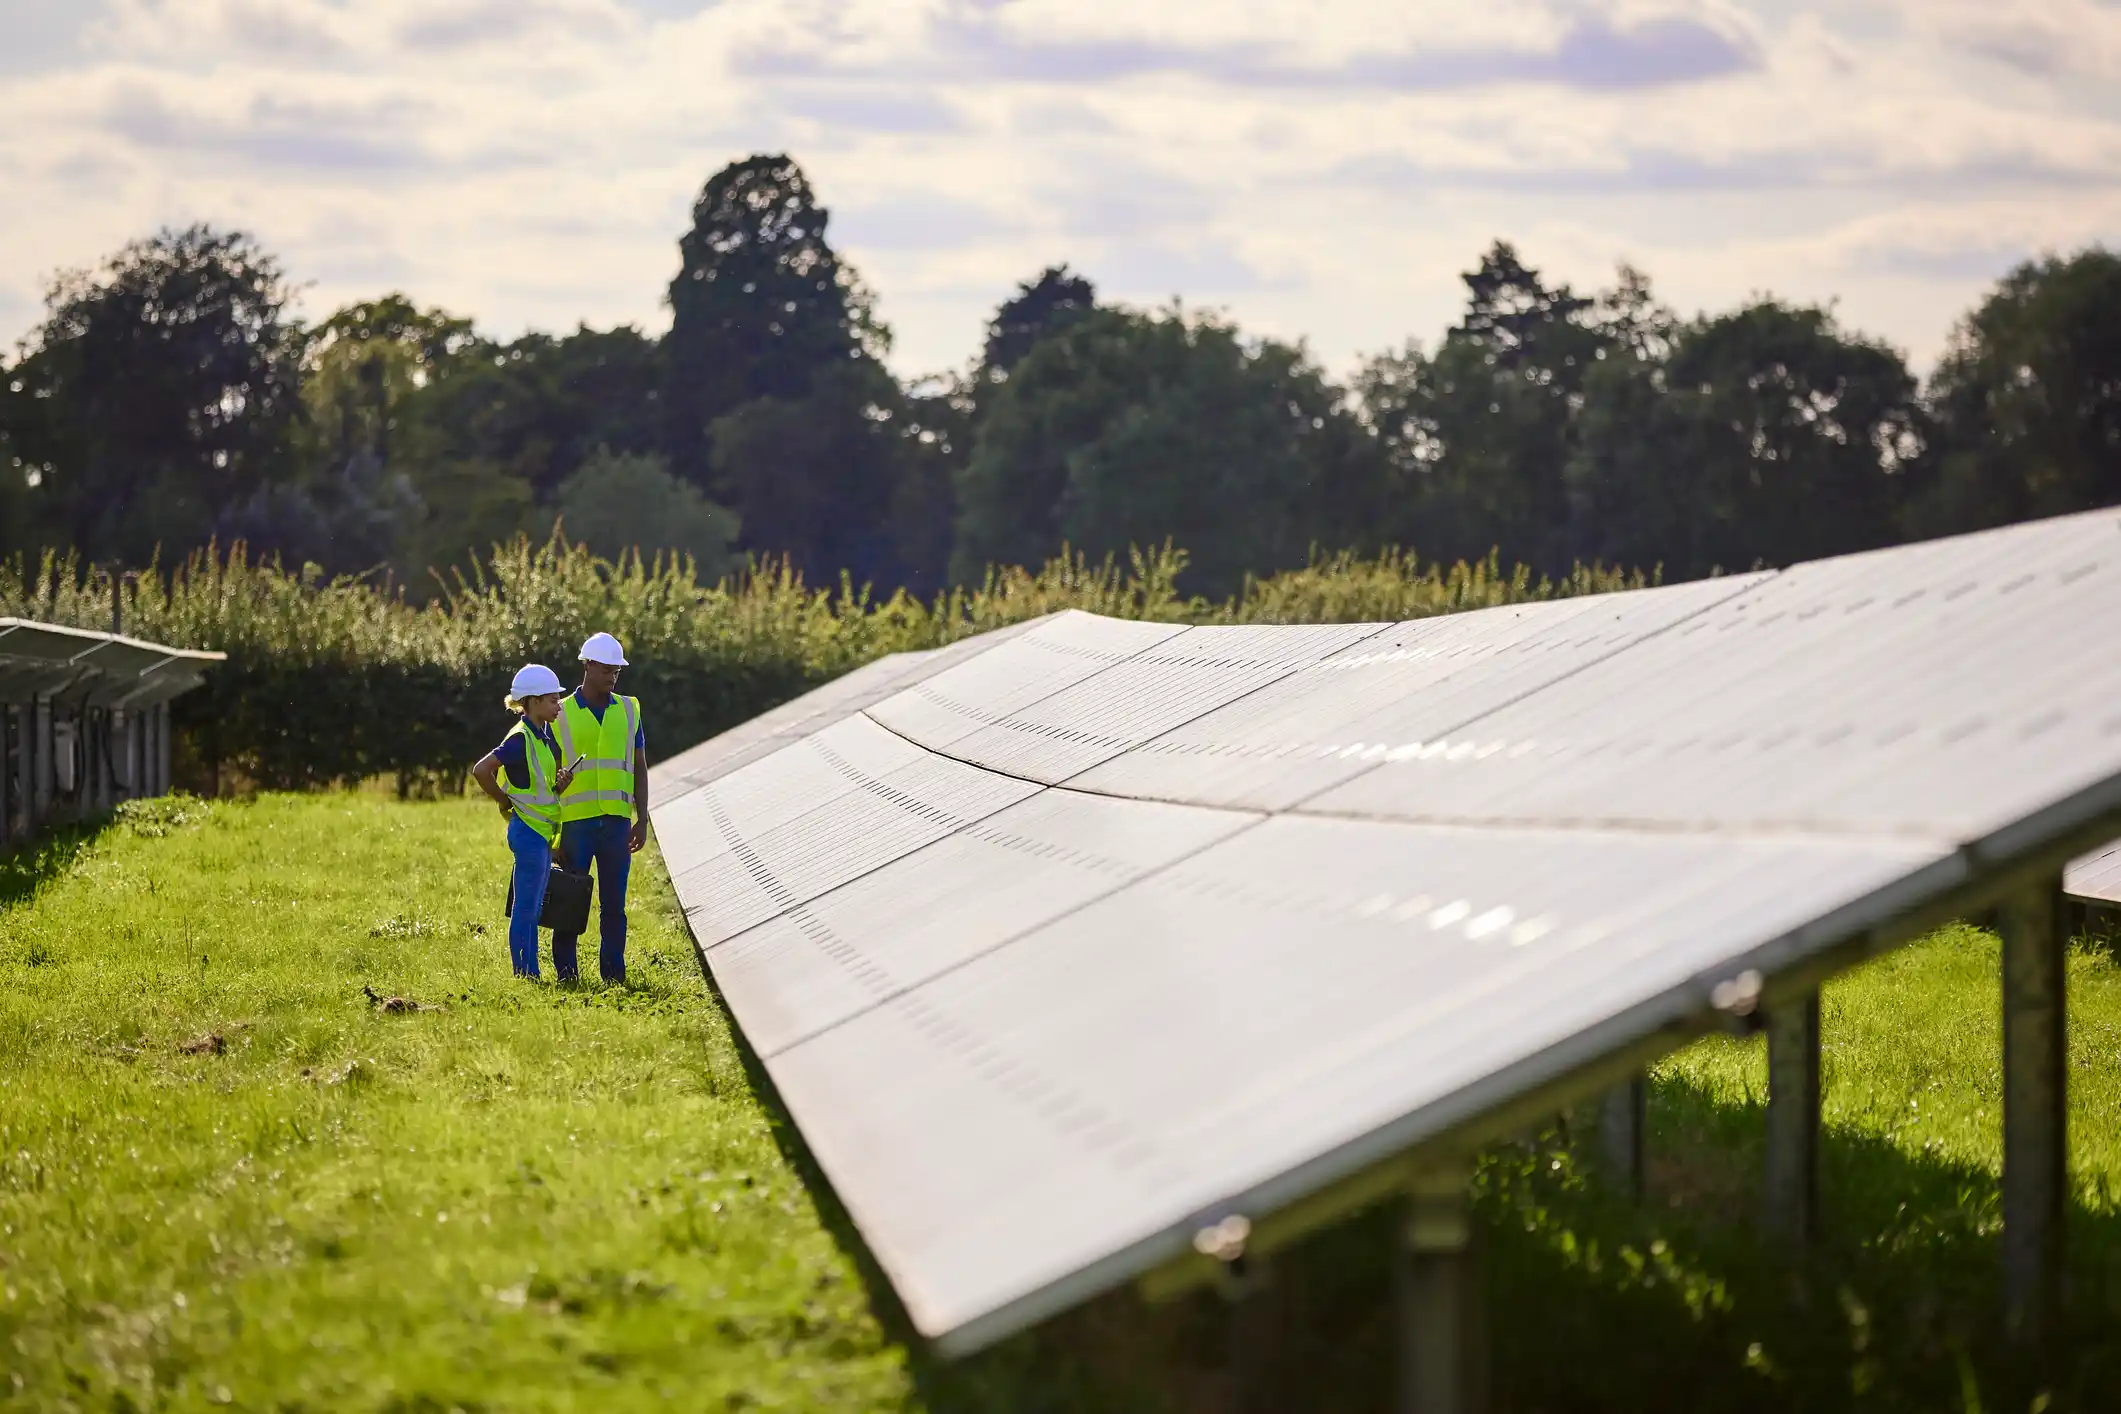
x: 567, y: 898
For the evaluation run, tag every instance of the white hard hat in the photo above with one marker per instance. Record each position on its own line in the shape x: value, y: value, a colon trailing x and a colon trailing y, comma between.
x: 534, y: 680
x: 603, y: 648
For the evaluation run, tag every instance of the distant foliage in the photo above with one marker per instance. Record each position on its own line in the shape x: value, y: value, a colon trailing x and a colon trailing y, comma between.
x: 338, y: 680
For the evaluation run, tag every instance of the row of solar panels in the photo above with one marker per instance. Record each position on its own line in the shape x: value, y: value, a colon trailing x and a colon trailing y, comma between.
x: 1062, y: 942
x: 83, y: 668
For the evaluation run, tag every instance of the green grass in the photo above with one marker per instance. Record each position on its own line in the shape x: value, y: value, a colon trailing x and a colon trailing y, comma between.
x: 535, y: 1197
x: 227, y: 1176
x: 1898, y: 1305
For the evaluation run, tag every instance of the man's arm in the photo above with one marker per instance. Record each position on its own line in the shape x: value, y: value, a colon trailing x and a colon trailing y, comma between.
x: 639, y: 834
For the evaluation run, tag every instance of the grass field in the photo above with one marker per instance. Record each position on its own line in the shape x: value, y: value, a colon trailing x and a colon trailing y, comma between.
x: 229, y: 1178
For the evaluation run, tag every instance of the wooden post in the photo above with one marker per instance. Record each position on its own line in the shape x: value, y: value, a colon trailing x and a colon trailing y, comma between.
x: 1793, y: 1118
x: 2035, y: 1110
x: 1443, y: 1361
x: 1623, y: 1136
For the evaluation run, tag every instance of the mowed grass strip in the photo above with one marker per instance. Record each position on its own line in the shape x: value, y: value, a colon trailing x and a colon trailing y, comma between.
x: 229, y: 1176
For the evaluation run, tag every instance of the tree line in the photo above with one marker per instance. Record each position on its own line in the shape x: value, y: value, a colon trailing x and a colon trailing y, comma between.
x: 170, y: 399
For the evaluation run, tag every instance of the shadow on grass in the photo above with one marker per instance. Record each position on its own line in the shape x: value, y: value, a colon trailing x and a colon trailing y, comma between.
x: 1596, y: 1304
x: 28, y: 866
x: 1683, y: 1304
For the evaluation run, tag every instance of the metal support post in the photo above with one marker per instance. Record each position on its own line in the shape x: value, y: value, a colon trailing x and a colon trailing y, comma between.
x: 162, y: 773
x: 42, y: 781
x: 7, y: 774
x: 135, y: 757
x: 2035, y: 1110
x: 1623, y: 1136
x: 1443, y: 1360
x: 1255, y: 1343
x: 95, y: 742
x: 1793, y: 1118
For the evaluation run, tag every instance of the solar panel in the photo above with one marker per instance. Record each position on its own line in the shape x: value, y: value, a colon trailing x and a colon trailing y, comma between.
x: 2095, y: 878
x: 1333, y: 718
x: 814, y: 711
x: 1108, y: 929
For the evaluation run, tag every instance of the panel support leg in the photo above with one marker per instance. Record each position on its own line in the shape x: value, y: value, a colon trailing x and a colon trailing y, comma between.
x: 43, y: 781
x: 1793, y: 1118
x: 1255, y: 1341
x: 2035, y: 1110
x: 95, y: 738
x: 162, y: 776
x: 1623, y: 1136
x: 1441, y: 1316
x: 7, y: 774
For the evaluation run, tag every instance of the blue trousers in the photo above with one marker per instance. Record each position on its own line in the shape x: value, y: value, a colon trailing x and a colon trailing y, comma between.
x: 533, y: 864
x: 602, y: 841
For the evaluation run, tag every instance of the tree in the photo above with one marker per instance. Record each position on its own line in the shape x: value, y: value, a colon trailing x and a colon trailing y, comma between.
x: 158, y: 393
x: 538, y: 408
x: 814, y: 476
x: 615, y: 503
x: 352, y: 502
x: 1039, y: 309
x: 2028, y: 400
x: 759, y: 305
x: 1129, y: 429
x: 1768, y: 436
x: 1481, y: 433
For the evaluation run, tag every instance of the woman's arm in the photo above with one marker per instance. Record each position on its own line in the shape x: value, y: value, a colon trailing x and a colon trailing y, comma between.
x: 484, y: 773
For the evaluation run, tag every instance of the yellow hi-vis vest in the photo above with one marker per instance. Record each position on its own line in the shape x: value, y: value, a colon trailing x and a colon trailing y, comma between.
x: 604, y: 784
x: 538, y: 806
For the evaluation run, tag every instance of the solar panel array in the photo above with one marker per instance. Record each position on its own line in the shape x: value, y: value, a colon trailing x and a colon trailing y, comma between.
x: 93, y: 669
x: 1061, y: 943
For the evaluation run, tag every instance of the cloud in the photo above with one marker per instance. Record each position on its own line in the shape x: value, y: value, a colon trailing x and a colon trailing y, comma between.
x: 1205, y: 272
x: 1591, y: 53
x: 502, y: 21
x: 271, y: 133
x: 913, y: 221
x: 1321, y: 167
x: 1668, y: 171
x: 42, y: 34
x: 2040, y: 38
x: 874, y: 109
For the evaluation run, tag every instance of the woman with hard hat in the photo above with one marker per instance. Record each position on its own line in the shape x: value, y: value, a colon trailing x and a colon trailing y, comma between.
x: 528, y: 759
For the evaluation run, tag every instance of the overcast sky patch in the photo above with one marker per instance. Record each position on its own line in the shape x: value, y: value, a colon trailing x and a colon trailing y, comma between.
x: 1325, y: 168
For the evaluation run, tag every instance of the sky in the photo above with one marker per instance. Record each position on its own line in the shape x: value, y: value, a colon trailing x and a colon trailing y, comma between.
x: 1320, y: 170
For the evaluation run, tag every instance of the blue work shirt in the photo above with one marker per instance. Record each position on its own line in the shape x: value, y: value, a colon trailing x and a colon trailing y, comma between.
x: 514, y: 754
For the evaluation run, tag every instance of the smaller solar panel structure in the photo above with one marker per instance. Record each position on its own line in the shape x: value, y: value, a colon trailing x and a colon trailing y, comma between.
x: 84, y: 720
x: 2095, y: 879
x: 1099, y: 952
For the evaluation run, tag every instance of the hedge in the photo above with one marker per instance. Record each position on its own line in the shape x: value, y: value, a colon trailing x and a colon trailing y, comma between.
x: 342, y: 680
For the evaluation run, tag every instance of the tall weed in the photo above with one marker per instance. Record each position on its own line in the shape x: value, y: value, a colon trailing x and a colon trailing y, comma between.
x: 340, y: 680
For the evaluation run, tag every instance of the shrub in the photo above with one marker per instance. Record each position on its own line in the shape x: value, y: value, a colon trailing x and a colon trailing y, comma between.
x: 334, y: 681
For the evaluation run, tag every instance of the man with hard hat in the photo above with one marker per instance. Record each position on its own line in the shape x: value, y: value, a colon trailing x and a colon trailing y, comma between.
x: 604, y: 810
